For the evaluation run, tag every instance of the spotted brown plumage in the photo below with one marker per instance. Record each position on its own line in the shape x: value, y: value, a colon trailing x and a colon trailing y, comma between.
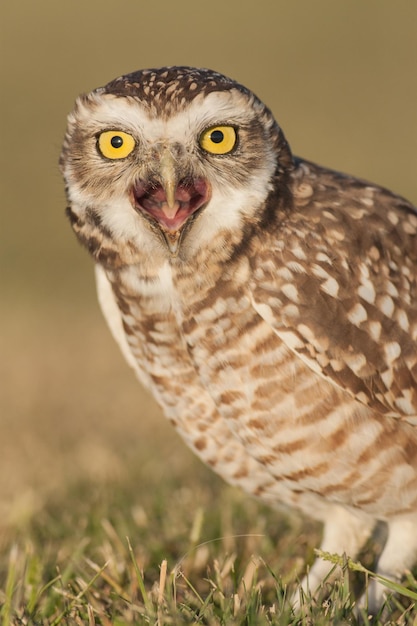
x: 268, y: 303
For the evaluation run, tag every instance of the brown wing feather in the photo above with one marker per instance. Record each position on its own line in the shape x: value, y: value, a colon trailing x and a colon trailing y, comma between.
x: 341, y: 289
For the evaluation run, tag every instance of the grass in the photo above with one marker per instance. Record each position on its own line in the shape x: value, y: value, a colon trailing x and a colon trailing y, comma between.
x: 181, y: 556
x: 107, y: 519
x: 99, y: 557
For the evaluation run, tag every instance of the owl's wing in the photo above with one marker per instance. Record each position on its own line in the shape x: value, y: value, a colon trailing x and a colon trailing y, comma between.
x: 337, y: 283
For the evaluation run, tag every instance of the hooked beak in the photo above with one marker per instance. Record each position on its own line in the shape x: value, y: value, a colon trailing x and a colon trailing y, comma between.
x: 168, y: 199
x: 169, y: 182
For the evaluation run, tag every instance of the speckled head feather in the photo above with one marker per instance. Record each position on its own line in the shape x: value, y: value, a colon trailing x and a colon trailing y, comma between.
x: 268, y: 303
x: 171, y: 84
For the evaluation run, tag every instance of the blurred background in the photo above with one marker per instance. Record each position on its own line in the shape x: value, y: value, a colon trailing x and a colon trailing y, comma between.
x: 341, y: 79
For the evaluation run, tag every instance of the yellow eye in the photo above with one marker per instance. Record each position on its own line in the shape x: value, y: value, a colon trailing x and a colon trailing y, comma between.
x: 115, y: 144
x: 218, y: 139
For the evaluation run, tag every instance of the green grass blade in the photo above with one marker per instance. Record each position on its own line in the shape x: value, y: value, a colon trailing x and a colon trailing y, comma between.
x: 141, y: 583
x: 6, y: 609
x: 358, y: 567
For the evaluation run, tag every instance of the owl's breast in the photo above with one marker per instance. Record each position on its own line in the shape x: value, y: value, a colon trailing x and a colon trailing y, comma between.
x: 270, y: 399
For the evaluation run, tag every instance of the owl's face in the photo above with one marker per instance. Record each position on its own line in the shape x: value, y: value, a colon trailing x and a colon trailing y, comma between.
x: 169, y: 157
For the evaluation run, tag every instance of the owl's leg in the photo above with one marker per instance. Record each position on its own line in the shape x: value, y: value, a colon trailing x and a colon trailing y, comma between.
x: 343, y: 533
x: 399, y: 554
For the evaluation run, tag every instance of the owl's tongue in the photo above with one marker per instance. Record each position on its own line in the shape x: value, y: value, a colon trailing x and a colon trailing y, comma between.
x: 188, y: 198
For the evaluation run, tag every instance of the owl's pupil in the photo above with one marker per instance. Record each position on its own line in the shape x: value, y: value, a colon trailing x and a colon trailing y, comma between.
x: 116, y: 141
x: 217, y: 136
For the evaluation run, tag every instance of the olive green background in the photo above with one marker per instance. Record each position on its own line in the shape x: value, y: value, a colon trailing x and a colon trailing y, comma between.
x: 341, y: 78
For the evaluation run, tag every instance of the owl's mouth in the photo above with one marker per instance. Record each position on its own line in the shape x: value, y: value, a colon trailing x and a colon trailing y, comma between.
x: 189, y: 196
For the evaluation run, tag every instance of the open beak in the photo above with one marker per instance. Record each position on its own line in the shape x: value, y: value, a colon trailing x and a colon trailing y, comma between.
x: 168, y: 199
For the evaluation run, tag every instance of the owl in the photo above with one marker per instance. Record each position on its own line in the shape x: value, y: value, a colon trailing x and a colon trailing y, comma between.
x: 269, y: 304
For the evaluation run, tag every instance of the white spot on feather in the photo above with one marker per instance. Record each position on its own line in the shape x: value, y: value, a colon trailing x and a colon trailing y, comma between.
x: 294, y: 266
x: 265, y: 312
x: 320, y: 272
x: 291, y: 292
x: 387, y: 378
x: 355, y: 362
x: 362, y: 397
x: 299, y: 253
x: 404, y: 405
x: 306, y: 332
x: 285, y: 273
x: 392, y: 290
x: 393, y: 217
x: 337, y: 365
x: 321, y: 256
x: 292, y: 340
x: 375, y: 330
x: 331, y: 287
x: 402, y: 320
x: 392, y: 351
x: 386, y: 305
x: 367, y: 292
x: 358, y: 314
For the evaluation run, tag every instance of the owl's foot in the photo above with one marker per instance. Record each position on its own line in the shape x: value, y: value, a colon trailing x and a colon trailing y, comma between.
x: 399, y: 554
x: 343, y: 533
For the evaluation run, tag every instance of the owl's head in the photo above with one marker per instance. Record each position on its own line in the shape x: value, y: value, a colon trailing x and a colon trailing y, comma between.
x: 167, y: 161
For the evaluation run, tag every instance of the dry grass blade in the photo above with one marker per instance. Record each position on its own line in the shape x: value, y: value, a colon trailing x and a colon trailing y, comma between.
x: 161, y: 589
